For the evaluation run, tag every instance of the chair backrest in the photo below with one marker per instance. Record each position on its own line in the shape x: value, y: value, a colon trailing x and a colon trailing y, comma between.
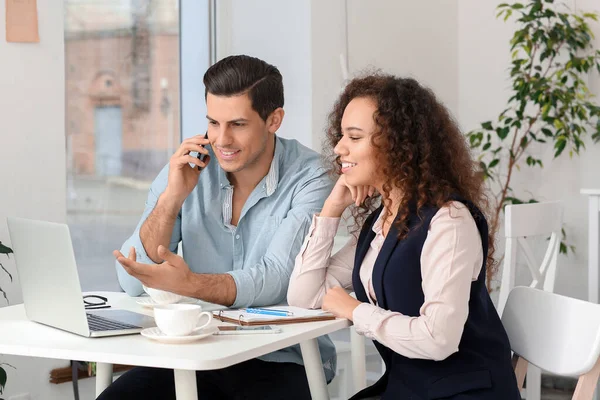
x: 522, y: 221
x: 556, y: 333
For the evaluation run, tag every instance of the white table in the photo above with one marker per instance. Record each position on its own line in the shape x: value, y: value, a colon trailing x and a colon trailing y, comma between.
x: 19, y: 336
x: 593, y: 244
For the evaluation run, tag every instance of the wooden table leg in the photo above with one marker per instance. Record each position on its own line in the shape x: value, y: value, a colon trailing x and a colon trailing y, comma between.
x: 186, y: 387
x: 314, y: 370
x: 104, y: 374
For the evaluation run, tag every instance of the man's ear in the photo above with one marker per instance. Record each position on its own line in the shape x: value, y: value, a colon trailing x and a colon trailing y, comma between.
x: 275, y: 119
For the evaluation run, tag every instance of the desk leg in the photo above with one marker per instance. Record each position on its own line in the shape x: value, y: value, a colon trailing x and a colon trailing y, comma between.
x: 314, y: 370
x: 594, y: 257
x: 593, y: 250
x: 186, y: 387
x: 359, y: 360
x: 104, y: 373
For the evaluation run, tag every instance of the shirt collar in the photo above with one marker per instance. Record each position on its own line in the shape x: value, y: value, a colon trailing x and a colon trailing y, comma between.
x: 271, y: 179
x: 378, y: 225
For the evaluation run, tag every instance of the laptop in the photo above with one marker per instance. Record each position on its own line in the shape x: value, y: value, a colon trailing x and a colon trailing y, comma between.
x: 50, y: 283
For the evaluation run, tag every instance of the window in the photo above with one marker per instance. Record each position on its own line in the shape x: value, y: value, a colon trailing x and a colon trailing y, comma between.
x: 122, y: 120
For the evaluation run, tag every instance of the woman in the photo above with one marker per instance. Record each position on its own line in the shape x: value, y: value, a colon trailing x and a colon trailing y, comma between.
x: 418, y: 266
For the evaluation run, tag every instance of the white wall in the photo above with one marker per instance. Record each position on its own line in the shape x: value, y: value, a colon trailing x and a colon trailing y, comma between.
x: 32, y: 166
x: 408, y: 38
x: 277, y: 32
x: 328, y: 42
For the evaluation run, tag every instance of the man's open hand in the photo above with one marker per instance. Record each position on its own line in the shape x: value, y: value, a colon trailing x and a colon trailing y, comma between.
x: 172, y: 275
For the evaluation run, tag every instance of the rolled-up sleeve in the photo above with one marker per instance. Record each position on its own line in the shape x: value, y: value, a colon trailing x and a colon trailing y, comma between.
x: 129, y: 284
x: 266, y: 282
x: 315, y: 271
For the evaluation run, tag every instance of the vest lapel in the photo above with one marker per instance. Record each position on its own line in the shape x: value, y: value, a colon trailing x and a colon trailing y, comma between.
x: 364, y: 241
x: 389, y: 245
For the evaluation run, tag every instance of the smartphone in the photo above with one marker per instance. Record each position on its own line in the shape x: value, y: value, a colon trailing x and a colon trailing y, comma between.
x: 201, y: 156
x: 245, y: 330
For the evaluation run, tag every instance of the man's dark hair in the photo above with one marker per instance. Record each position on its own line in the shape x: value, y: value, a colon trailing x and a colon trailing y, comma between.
x: 235, y: 75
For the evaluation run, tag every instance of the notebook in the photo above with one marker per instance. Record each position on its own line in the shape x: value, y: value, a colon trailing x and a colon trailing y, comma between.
x: 241, y: 317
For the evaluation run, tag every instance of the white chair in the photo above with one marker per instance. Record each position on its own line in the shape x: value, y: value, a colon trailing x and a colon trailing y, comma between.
x: 522, y: 221
x: 556, y: 333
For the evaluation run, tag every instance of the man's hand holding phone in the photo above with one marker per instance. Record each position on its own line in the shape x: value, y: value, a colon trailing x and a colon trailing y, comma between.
x: 183, y: 177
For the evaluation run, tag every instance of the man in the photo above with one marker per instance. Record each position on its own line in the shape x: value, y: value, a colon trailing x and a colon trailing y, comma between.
x: 241, y: 222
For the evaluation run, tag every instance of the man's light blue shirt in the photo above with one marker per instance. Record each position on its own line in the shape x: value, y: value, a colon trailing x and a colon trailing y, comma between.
x: 259, y: 252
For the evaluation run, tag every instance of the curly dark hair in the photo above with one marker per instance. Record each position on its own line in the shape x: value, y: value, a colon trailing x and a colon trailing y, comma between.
x: 420, y: 147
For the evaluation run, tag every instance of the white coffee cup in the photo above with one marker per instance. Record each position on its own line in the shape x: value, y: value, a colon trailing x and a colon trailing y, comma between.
x: 162, y: 297
x: 180, y: 319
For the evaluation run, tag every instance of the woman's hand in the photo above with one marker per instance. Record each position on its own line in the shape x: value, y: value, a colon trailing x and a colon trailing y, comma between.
x: 344, y: 195
x: 339, y: 303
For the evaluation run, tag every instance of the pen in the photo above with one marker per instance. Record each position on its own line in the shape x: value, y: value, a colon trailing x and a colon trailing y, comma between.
x: 96, y: 307
x: 266, y: 311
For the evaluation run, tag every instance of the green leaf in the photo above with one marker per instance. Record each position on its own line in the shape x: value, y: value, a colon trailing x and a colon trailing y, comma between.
x: 487, y: 125
x: 475, y: 139
x: 558, y: 123
x: 513, y: 200
x: 5, y: 249
x: 502, y: 132
x: 493, y: 163
x: 545, y: 109
x: 486, y: 146
x: 559, y: 146
x: 3, y: 378
x: 484, y: 169
x: 563, y: 248
x: 547, y: 132
x: 523, y: 142
x: 530, y: 161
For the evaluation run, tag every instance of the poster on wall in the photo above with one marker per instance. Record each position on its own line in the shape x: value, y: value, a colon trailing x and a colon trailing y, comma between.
x: 22, y: 21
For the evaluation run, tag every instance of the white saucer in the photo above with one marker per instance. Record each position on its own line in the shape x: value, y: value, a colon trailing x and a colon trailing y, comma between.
x: 158, y: 335
x: 148, y: 302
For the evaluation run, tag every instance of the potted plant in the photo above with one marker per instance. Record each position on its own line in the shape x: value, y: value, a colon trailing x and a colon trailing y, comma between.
x: 551, y: 105
x: 6, y: 251
x: 3, y: 376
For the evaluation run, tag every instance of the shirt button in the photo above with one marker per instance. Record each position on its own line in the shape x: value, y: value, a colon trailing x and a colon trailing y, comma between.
x: 226, y: 205
x: 237, y: 236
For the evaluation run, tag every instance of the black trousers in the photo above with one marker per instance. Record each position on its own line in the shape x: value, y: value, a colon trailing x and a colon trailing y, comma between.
x: 253, y: 379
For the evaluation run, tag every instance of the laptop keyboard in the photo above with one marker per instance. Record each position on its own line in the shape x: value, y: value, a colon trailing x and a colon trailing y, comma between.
x: 97, y: 323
